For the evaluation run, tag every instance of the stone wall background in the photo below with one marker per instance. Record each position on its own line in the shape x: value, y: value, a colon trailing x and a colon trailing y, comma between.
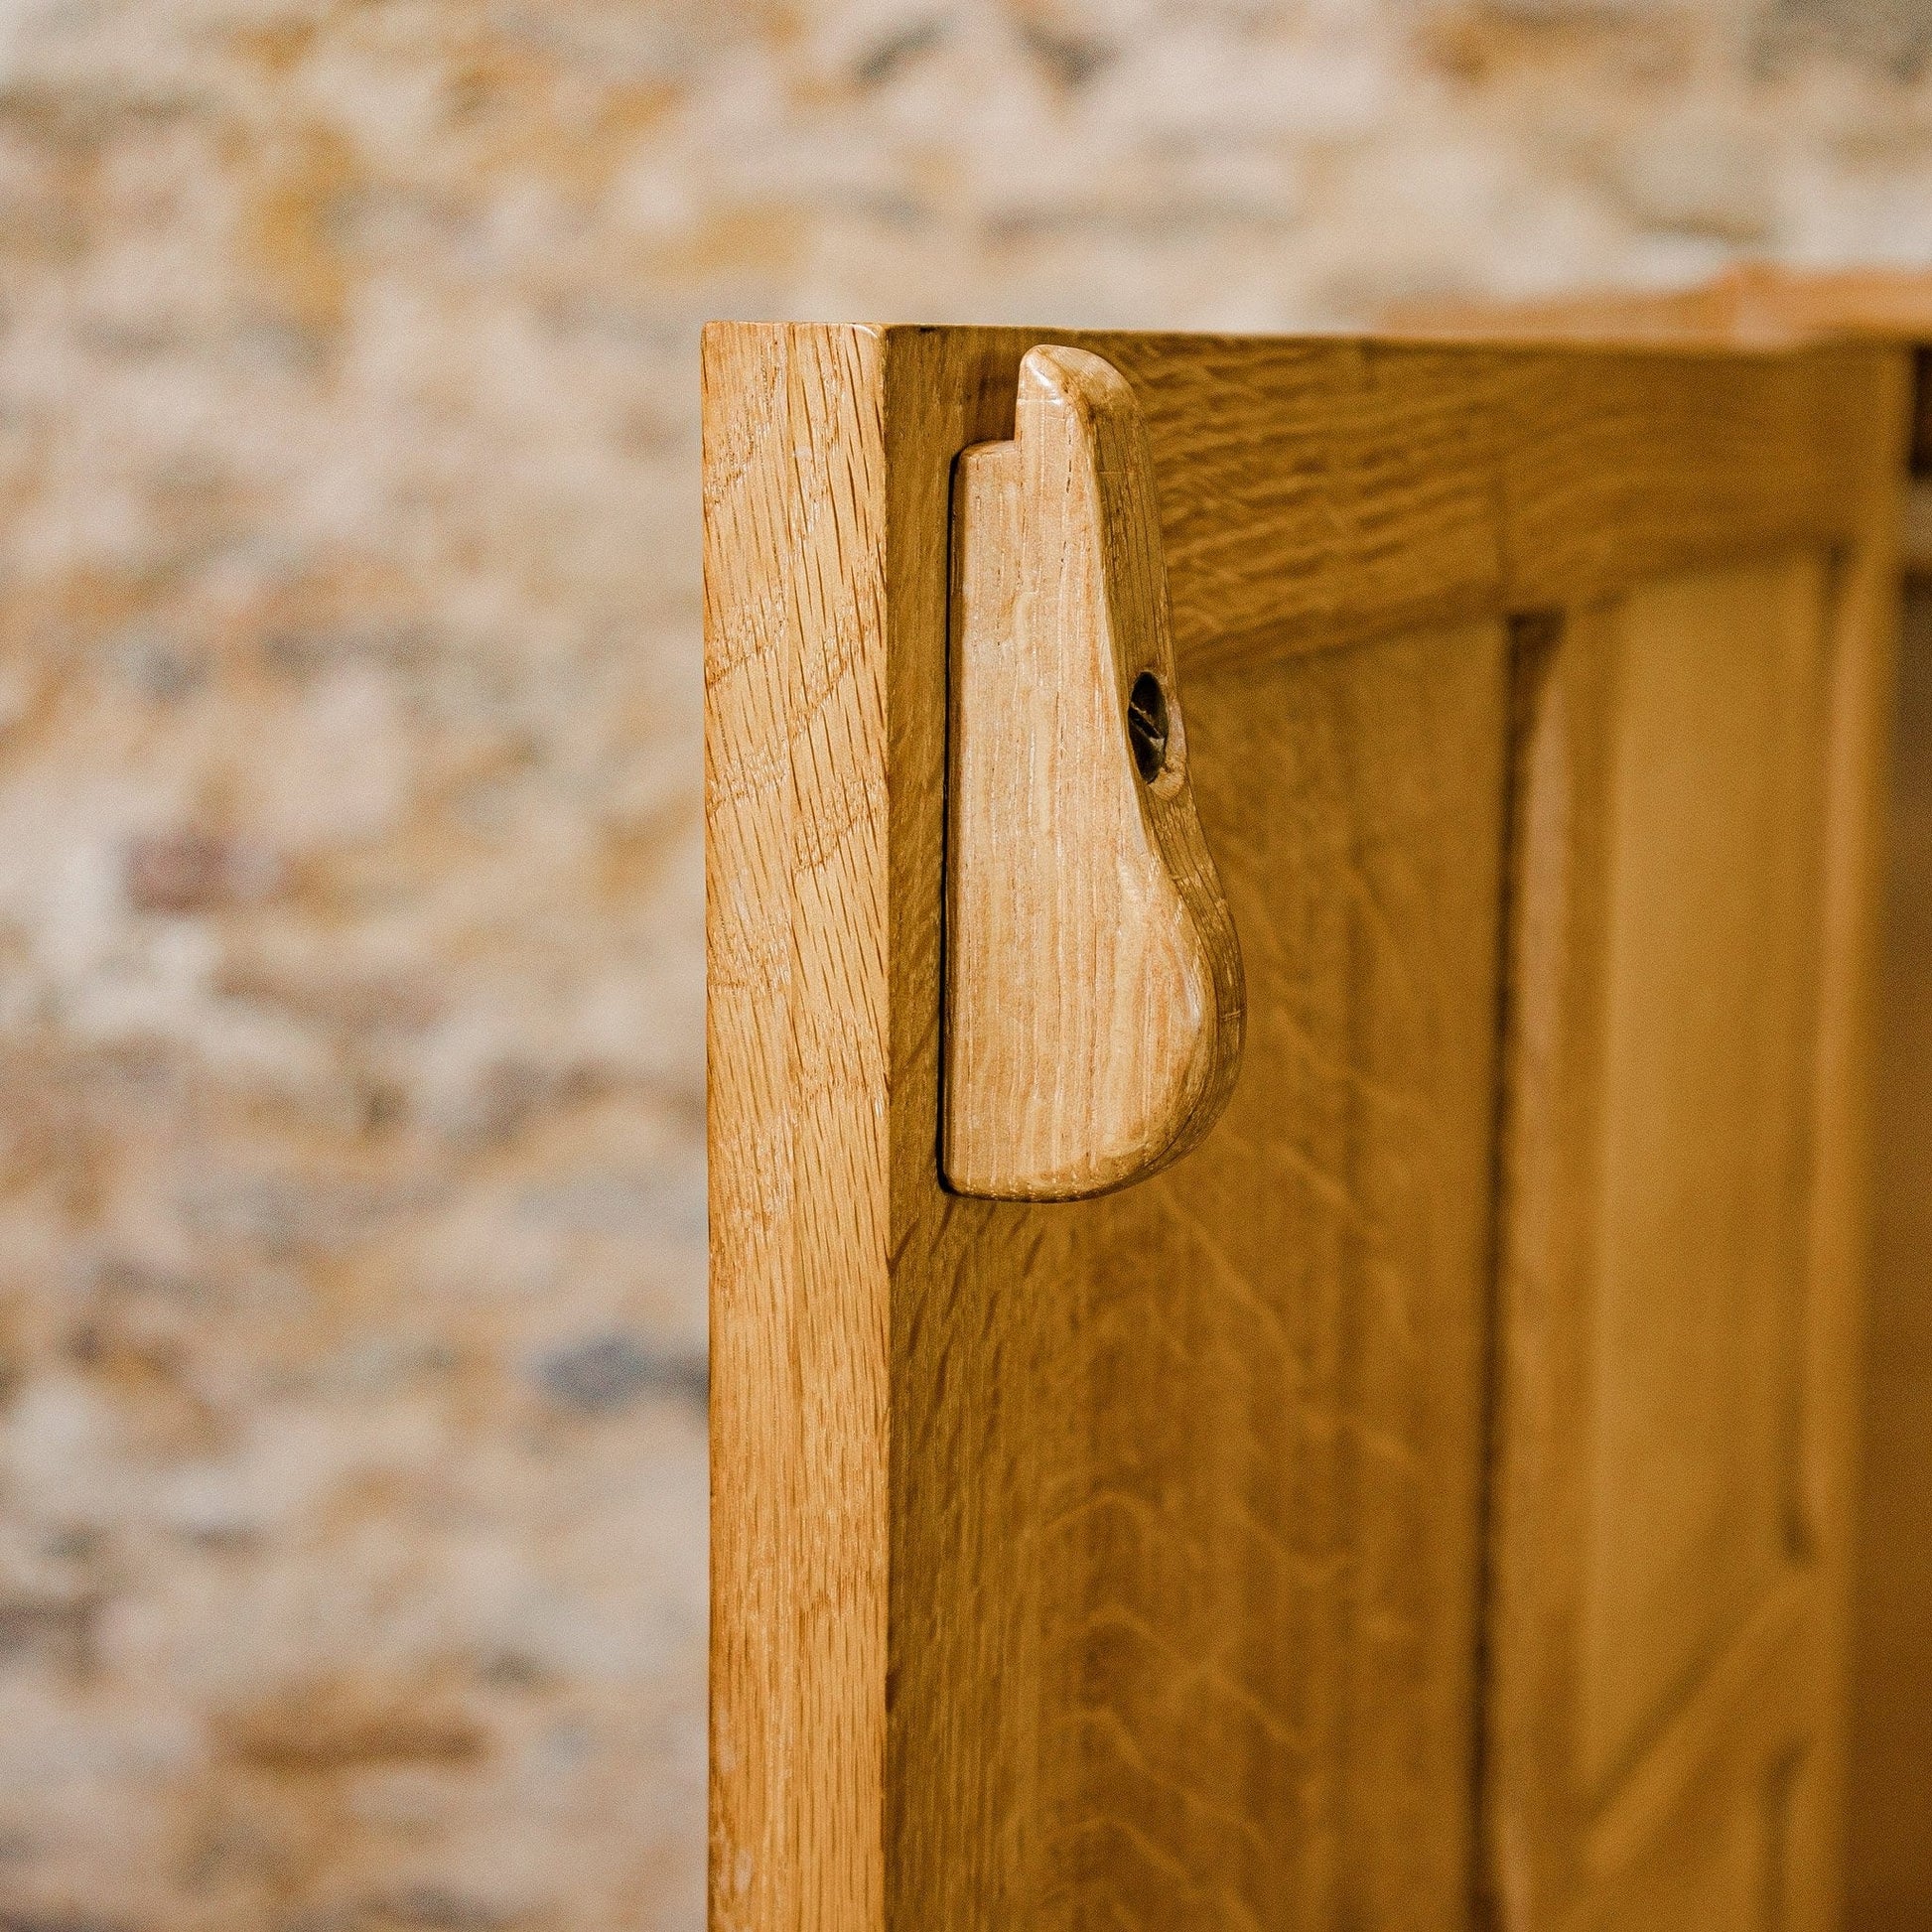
x: 351, y: 1325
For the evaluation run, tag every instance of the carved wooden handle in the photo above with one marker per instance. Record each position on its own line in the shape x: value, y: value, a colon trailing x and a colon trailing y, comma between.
x: 1093, y: 981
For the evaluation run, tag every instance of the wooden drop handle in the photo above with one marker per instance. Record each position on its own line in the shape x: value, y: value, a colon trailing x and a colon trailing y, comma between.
x: 1093, y: 979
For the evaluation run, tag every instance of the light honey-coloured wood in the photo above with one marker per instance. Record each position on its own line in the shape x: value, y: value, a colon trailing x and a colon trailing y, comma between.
x: 798, y: 1007
x: 1890, y: 1849
x: 1753, y: 304
x: 1120, y: 1562
x: 1694, y: 1288
x: 1666, y: 1576
x: 1093, y: 981
x: 1882, y: 1759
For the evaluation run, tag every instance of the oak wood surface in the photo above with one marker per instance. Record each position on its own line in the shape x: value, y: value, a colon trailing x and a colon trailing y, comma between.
x: 1751, y: 305
x: 1120, y: 1562
x: 1888, y: 1748
x: 1094, y: 999
x: 1671, y: 1516
x: 1889, y: 1842
x: 1222, y: 1427
x: 798, y: 1005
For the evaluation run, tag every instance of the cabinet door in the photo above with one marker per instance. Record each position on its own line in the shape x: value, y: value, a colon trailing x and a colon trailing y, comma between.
x: 1428, y: 1490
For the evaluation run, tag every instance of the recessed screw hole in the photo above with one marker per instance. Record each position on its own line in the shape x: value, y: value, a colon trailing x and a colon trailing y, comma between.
x: 1146, y: 725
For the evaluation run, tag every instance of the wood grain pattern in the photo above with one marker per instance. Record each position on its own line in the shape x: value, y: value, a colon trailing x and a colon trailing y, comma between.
x: 1352, y: 488
x: 1224, y: 1425
x: 795, y: 810
x: 1751, y: 305
x: 1707, y: 1017
x: 1890, y: 1849
x: 1887, y: 1749
x: 1865, y: 622
x: 1093, y: 978
x: 1120, y: 1561
x: 1657, y: 1554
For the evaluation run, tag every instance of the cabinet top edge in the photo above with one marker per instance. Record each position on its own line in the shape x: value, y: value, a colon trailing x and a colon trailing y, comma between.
x: 1509, y: 343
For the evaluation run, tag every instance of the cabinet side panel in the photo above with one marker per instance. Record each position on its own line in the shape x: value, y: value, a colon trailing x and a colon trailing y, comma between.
x: 794, y: 796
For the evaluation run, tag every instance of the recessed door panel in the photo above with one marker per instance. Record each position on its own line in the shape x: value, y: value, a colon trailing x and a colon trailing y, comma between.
x: 1666, y: 1624
x: 1715, y: 777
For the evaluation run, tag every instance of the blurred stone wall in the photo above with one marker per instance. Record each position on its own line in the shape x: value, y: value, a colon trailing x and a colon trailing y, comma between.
x: 351, y: 1326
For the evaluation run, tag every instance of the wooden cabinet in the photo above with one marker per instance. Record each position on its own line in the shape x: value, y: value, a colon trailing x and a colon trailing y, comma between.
x: 1428, y: 1497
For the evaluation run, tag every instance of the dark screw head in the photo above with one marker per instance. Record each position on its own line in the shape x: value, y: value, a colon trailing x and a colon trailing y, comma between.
x: 1146, y: 725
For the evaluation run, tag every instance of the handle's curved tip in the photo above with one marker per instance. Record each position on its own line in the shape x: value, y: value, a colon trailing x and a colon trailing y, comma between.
x: 1053, y: 372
